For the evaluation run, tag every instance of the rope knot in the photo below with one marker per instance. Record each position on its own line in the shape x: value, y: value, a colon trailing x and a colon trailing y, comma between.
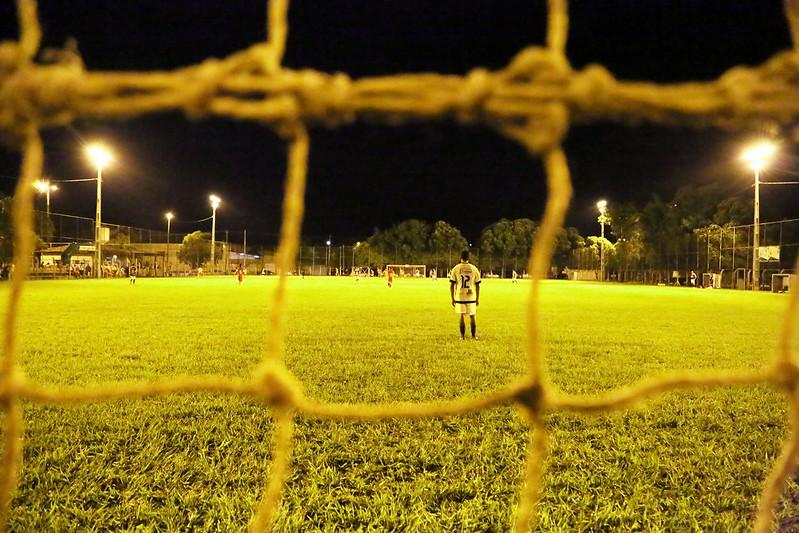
x: 276, y: 386
x: 531, y: 398
x: 477, y: 88
x: 783, y: 66
x: 786, y: 373
x: 738, y: 84
x: 541, y: 130
x: 9, y: 56
x: 536, y: 63
x: 204, y: 85
x: 590, y: 89
x: 11, y: 385
x: 326, y: 98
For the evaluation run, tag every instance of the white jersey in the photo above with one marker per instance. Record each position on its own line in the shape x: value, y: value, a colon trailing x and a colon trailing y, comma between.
x: 466, y: 277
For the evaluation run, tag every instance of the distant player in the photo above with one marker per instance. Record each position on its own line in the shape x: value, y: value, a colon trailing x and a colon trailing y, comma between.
x: 132, y: 271
x: 433, y: 274
x: 390, y: 277
x: 240, y: 273
x: 515, y: 276
x: 464, y: 290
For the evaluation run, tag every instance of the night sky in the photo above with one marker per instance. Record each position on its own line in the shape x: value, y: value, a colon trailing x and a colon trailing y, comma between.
x: 366, y: 176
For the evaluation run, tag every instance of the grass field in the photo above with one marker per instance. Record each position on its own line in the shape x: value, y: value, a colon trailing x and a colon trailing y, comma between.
x: 693, y: 460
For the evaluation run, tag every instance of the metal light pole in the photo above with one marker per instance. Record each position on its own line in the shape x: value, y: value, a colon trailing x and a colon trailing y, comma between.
x: 100, y: 157
x: 169, y: 216
x: 602, y: 205
x: 44, y: 187
x: 327, y: 259
x: 756, y: 236
x: 214, y: 204
x: 757, y: 157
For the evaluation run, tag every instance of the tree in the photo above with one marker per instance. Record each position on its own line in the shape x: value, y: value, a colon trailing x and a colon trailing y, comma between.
x: 6, y: 230
x: 567, y: 241
x: 662, y: 227
x: 524, y: 231
x: 506, y: 240
x: 625, y: 225
x: 444, y: 241
x: 733, y: 211
x: 608, y: 249
x: 196, y: 249
x: 40, y: 227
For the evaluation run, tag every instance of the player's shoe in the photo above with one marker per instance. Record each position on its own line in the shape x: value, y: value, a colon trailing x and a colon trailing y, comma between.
x: 475, y: 338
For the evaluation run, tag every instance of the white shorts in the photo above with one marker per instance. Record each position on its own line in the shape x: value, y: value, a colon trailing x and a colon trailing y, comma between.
x: 470, y: 309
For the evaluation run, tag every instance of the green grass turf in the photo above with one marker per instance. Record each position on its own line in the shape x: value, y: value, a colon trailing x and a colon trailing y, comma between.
x: 691, y: 460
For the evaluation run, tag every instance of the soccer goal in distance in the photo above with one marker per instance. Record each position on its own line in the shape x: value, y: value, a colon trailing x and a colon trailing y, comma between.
x: 408, y: 271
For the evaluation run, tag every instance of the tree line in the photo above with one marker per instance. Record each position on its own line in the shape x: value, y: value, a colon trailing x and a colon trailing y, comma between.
x: 660, y: 235
x: 502, y: 247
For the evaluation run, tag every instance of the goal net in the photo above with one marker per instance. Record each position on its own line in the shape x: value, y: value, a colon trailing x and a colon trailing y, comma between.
x: 408, y: 271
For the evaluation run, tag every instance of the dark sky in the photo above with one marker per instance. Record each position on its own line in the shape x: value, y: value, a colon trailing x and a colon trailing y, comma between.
x: 366, y: 176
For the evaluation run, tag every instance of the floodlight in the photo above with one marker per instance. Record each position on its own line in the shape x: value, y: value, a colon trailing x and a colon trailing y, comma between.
x: 602, y: 205
x: 215, y: 200
x: 759, y: 155
x: 99, y: 155
x: 169, y: 215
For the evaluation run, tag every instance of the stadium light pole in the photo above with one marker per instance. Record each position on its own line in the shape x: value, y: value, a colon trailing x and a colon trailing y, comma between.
x: 44, y: 187
x: 215, y: 201
x: 602, y: 205
x: 99, y: 157
x: 327, y: 259
x: 757, y: 157
x: 169, y: 216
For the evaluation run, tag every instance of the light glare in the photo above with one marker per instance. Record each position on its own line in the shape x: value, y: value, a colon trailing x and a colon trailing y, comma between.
x: 602, y: 205
x: 43, y: 186
x: 759, y: 155
x: 169, y: 215
x: 99, y: 155
x: 215, y: 200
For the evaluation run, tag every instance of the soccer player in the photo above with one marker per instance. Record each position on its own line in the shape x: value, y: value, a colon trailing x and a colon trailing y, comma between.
x: 390, y: 277
x: 240, y: 273
x: 464, y: 290
x: 132, y: 271
x: 515, y: 276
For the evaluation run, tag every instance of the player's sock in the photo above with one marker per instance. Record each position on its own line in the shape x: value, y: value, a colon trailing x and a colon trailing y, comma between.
x: 474, y: 330
x: 463, y: 329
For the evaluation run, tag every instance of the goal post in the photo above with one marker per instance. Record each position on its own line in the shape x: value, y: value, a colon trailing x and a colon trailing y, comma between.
x: 408, y: 271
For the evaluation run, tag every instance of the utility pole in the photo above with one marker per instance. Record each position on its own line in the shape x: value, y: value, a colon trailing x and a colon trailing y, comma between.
x: 756, y: 242
x: 245, y: 248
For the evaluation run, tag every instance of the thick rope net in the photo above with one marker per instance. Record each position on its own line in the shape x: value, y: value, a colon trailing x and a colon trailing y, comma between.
x: 532, y: 101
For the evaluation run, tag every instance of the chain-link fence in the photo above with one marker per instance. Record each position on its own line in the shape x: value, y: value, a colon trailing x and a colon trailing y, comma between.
x: 726, y: 253
x: 61, y: 228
